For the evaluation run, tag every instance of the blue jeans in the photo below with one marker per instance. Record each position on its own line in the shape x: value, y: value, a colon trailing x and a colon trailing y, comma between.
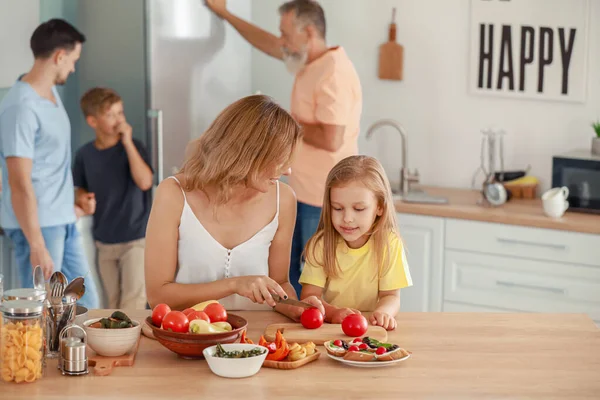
x: 65, y: 247
x: 307, y: 221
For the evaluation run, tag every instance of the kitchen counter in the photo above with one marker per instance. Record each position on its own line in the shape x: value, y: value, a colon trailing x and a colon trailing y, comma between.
x: 463, y: 205
x: 455, y: 355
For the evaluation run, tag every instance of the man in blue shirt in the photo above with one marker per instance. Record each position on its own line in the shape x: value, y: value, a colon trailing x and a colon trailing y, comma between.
x: 37, y: 210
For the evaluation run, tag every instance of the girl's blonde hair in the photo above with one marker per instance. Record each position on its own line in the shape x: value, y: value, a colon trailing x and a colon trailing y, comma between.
x: 249, y: 138
x: 369, y: 172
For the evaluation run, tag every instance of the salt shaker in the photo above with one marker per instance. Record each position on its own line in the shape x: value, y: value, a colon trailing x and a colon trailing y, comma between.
x: 73, y: 353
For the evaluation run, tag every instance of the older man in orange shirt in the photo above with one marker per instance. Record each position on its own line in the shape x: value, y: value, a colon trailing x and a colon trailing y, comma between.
x: 326, y: 100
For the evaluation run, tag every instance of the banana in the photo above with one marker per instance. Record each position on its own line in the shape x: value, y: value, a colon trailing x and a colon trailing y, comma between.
x: 525, y: 180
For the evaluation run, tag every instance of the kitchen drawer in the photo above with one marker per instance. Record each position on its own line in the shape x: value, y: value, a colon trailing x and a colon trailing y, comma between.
x: 519, y: 241
x: 521, y: 285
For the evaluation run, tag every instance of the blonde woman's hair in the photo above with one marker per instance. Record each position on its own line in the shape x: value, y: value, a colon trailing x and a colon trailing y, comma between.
x: 369, y: 172
x: 250, y: 137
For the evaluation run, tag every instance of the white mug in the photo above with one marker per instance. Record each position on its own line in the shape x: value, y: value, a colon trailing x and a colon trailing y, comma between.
x: 555, y: 201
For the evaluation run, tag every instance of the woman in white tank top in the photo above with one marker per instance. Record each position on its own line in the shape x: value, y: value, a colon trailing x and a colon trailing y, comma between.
x: 222, y: 228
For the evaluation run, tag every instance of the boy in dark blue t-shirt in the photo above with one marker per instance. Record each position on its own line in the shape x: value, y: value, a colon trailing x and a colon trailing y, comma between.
x: 113, y: 178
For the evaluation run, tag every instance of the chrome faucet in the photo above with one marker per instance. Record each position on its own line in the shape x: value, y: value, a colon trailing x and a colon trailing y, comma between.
x: 406, y: 178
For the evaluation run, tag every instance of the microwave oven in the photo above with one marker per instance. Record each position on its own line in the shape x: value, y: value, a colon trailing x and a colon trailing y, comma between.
x: 579, y: 171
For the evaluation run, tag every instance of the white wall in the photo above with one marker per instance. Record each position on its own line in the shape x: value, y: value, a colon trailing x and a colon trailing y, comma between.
x: 442, y: 120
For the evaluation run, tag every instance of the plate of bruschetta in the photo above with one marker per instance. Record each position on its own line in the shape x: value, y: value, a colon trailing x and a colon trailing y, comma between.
x: 365, y: 352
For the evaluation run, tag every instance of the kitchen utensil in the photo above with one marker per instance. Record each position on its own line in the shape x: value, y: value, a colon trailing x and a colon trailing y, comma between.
x: 190, y: 345
x: 104, y: 365
x: 58, y: 283
x: 292, y: 364
x: 63, y: 315
x: 292, y: 302
x: 73, y: 358
x: 75, y: 289
x: 295, y: 332
x: 38, y: 278
x: 391, y: 55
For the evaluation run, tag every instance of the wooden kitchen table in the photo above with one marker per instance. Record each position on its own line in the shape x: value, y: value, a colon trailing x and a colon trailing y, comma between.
x: 455, y: 356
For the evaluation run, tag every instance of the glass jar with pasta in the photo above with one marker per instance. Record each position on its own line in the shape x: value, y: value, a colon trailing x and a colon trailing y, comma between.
x: 22, y: 341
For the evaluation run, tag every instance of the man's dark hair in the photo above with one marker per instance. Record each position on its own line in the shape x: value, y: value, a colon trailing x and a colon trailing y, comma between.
x: 53, y: 35
x: 307, y: 12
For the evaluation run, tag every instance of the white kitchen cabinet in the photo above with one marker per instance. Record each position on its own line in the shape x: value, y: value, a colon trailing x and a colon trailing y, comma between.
x: 423, y: 238
x: 521, y: 284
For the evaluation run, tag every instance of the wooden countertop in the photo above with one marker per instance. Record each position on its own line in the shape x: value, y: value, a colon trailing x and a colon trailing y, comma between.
x: 455, y: 355
x: 463, y: 205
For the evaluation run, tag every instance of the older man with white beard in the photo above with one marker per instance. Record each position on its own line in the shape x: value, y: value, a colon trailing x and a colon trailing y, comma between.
x: 326, y: 100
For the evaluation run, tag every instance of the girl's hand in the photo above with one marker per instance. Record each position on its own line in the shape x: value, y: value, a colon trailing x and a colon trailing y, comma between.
x: 338, y: 316
x: 258, y: 288
x: 314, y: 301
x: 384, y: 320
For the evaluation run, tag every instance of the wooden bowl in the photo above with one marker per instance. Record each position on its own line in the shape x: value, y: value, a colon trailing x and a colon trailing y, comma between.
x: 191, y: 345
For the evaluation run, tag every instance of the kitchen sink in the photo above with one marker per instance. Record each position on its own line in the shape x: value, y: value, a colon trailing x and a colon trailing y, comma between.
x: 419, y: 196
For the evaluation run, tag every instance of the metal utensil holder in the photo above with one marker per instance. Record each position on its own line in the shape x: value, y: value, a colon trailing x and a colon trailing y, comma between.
x: 73, y: 359
x: 60, y: 316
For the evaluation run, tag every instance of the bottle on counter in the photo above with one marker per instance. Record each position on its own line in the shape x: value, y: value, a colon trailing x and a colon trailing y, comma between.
x: 22, y: 341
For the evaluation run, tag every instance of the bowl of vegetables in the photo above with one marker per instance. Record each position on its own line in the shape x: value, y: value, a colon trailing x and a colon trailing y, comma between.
x: 112, y: 336
x: 189, y: 333
x: 238, y: 360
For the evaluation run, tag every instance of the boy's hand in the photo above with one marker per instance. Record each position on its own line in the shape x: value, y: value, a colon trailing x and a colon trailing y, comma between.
x: 384, y: 320
x: 87, y: 202
x: 126, y: 132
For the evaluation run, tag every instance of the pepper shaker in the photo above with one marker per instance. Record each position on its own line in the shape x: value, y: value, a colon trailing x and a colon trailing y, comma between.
x: 73, y: 353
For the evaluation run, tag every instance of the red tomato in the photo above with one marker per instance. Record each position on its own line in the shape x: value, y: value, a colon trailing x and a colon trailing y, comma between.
x: 353, y: 348
x: 176, y: 321
x: 380, y: 351
x: 338, y: 343
x: 363, y: 346
x: 188, y: 311
x: 311, y: 318
x: 197, y: 315
x: 357, y: 340
x: 216, y: 312
x: 355, y: 325
x: 159, y: 313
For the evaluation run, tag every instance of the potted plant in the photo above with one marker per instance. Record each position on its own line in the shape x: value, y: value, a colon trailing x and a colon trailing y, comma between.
x: 596, y: 140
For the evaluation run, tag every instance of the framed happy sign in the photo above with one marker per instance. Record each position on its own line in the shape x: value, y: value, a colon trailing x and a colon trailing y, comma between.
x: 535, y: 49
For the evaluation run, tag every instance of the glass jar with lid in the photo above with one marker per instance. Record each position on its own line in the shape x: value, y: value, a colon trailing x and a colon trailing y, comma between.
x: 22, y: 341
x: 24, y: 294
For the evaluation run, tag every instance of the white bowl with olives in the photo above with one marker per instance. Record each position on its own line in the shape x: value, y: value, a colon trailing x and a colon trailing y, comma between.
x: 235, y: 360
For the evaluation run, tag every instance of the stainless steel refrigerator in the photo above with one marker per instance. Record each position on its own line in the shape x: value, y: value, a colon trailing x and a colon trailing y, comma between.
x: 175, y: 64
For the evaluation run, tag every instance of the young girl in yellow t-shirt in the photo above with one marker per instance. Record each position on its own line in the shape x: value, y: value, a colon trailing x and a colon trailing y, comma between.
x: 355, y: 261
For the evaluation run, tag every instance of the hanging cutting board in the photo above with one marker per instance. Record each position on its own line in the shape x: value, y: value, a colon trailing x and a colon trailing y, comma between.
x: 391, y: 55
x: 104, y: 365
x: 296, y: 333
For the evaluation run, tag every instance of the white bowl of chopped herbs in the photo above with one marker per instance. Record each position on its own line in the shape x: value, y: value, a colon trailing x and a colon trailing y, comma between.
x: 235, y: 360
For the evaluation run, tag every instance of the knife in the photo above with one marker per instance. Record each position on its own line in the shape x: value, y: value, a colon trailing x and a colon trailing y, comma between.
x: 292, y: 302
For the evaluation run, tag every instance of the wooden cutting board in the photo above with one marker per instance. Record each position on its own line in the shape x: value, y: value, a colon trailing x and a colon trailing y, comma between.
x: 104, y: 365
x: 391, y: 55
x: 296, y: 333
